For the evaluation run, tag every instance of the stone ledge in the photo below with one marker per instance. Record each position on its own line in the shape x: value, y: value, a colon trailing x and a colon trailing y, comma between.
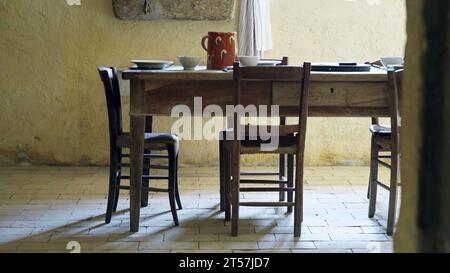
x: 174, y: 9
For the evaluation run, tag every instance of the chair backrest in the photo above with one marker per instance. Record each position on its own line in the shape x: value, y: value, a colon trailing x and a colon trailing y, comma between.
x: 110, y: 81
x: 395, y: 81
x: 276, y: 74
x: 283, y: 60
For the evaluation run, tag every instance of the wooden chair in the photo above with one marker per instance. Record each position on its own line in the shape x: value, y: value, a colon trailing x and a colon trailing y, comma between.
x: 120, y: 140
x: 291, y: 141
x: 385, y: 139
x: 282, y: 179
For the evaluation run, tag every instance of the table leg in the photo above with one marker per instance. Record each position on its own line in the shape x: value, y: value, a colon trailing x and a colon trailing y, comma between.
x: 137, y: 128
x: 136, y: 166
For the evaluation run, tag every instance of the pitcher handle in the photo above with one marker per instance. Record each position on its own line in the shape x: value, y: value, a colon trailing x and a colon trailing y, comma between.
x: 203, y: 43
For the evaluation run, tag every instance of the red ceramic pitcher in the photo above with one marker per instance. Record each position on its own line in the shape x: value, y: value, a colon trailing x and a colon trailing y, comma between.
x: 221, y: 49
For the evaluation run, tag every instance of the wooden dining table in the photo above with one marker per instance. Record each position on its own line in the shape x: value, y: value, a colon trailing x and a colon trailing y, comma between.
x: 156, y: 92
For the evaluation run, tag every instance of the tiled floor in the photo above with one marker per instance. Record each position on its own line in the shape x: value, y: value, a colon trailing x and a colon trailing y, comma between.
x: 42, y: 209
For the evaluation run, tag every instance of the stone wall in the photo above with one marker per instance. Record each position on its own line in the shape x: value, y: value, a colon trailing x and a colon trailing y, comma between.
x: 174, y: 9
x: 424, y: 219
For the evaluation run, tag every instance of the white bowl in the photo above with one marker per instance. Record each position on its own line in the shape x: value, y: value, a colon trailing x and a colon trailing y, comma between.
x: 189, y: 63
x: 249, y: 60
x: 392, y: 61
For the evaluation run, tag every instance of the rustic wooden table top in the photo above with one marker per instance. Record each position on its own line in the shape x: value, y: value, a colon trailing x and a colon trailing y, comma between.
x: 202, y: 74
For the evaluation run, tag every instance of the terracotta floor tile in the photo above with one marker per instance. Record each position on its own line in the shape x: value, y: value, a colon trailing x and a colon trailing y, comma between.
x: 44, y: 208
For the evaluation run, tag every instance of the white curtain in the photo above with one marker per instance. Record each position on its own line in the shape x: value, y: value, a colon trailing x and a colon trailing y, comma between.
x: 255, y: 30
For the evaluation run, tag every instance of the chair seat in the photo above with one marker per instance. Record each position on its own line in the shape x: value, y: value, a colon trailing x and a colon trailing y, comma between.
x: 382, y: 135
x: 287, y: 144
x: 384, y: 142
x: 380, y: 130
x: 153, y: 141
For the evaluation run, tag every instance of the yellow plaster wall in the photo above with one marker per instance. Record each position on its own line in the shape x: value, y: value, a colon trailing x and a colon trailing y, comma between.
x: 52, y: 106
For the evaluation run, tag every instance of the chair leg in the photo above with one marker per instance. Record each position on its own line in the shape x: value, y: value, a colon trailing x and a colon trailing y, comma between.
x: 227, y: 184
x: 282, y: 167
x: 113, y: 170
x: 393, y: 193
x: 177, y: 188
x: 298, y: 212
x: 117, y: 194
x: 221, y: 176
x: 172, y: 181
x: 145, y: 182
x: 373, y: 178
x: 235, y: 188
x: 118, y: 174
x: 290, y: 178
x: 282, y: 175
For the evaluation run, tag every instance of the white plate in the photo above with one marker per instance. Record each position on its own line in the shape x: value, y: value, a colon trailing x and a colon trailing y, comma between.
x: 152, y: 64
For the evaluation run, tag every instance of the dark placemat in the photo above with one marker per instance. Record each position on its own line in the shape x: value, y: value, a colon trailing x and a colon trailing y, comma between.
x: 341, y: 67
